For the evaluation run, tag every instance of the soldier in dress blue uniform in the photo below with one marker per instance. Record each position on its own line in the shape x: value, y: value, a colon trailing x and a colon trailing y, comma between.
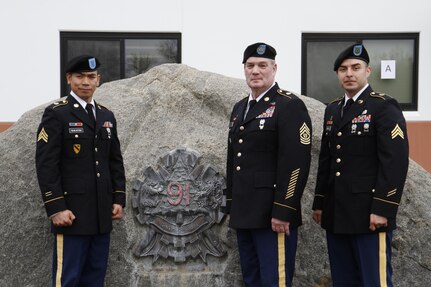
x: 81, y: 176
x: 268, y: 163
x: 363, y: 165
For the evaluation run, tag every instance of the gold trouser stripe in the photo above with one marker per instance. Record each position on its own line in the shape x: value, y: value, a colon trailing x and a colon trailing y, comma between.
x: 382, y: 259
x: 281, y: 260
x: 60, y: 242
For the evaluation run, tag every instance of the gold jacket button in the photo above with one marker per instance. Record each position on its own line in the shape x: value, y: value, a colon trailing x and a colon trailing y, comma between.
x: 338, y: 160
x: 241, y: 128
x: 238, y: 168
x: 240, y: 141
x: 98, y: 174
x: 337, y: 173
x: 239, y: 154
x: 359, y: 133
x: 339, y: 134
x: 373, y: 190
x: 97, y: 162
x: 338, y: 146
x: 95, y: 149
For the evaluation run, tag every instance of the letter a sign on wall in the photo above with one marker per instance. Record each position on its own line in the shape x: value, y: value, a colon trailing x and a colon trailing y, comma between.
x: 388, y: 68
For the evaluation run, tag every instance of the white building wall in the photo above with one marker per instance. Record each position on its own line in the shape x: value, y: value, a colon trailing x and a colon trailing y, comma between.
x: 214, y: 36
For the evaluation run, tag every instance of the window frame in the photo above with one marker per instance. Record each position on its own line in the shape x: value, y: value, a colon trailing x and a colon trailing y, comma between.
x: 65, y: 36
x: 359, y: 38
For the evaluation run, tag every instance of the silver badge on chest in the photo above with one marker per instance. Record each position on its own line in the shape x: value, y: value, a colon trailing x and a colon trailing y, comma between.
x: 261, y: 124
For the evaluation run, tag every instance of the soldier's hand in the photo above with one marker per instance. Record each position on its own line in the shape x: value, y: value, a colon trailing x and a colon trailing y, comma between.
x: 63, y: 218
x: 280, y: 226
x: 117, y: 211
x: 317, y: 216
x: 377, y: 221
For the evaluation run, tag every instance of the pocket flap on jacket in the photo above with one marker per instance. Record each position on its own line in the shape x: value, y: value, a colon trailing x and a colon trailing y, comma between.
x: 363, y: 184
x: 264, y: 179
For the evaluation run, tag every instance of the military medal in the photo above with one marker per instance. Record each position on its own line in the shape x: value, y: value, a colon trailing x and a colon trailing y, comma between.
x: 232, y: 122
x: 78, y: 124
x: 366, y: 127
x: 267, y: 114
x: 261, y: 123
x: 329, y: 125
x: 353, y: 128
x: 362, y: 119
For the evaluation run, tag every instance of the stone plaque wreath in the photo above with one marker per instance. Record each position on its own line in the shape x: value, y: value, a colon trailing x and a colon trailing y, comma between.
x: 180, y: 201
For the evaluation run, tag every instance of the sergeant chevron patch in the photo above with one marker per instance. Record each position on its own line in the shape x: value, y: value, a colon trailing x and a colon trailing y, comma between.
x: 304, y: 134
x: 397, y: 131
x: 43, y: 135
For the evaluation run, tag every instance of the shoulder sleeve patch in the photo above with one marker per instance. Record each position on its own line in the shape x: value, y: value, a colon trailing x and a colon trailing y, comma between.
x: 284, y: 93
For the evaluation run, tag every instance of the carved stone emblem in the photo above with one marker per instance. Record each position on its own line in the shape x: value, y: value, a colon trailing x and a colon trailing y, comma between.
x: 180, y: 202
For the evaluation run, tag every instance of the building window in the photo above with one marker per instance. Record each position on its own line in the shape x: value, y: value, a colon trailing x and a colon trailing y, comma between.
x: 393, y: 59
x: 122, y: 55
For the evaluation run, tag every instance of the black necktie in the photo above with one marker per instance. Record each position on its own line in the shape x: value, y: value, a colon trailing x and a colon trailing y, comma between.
x: 89, y: 108
x: 250, y: 106
x: 347, y: 106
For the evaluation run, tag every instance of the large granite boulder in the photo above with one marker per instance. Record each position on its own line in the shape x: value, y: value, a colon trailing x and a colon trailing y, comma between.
x: 166, y: 111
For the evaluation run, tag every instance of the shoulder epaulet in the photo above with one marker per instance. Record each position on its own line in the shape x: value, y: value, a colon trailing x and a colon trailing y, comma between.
x: 59, y: 104
x: 336, y: 100
x: 382, y: 96
x: 102, y: 107
x: 284, y: 93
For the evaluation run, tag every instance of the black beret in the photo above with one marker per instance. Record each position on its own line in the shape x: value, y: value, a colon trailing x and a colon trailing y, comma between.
x: 259, y: 50
x: 82, y: 63
x: 356, y: 51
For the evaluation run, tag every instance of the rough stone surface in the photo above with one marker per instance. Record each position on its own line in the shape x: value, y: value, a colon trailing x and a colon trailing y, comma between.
x: 168, y: 107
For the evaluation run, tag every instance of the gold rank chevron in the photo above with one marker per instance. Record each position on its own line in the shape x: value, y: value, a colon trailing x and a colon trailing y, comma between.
x: 43, y: 135
x: 397, y: 131
x: 304, y: 134
x: 292, y: 183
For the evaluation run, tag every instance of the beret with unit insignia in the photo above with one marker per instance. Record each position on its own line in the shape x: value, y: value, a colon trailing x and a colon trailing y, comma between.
x: 259, y: 49
x: 356, y: 51
x: 83, y: 63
